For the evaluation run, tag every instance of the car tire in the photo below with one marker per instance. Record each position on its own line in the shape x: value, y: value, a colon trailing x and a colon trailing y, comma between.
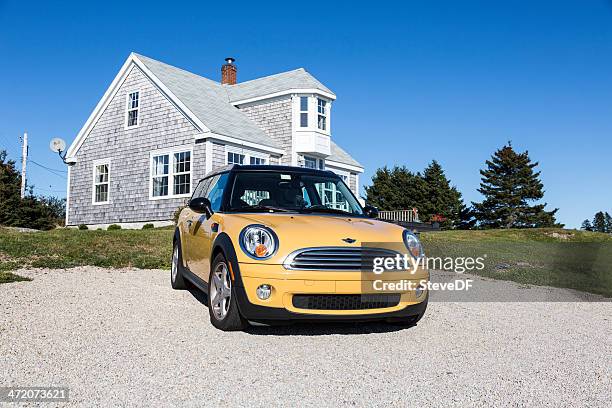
x: 222, y: 304
x: 177, y: 279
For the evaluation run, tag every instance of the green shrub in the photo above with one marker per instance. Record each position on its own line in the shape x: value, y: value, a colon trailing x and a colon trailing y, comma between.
x: 114, y: 227
x: 148, y: 226
x: 83, y: 227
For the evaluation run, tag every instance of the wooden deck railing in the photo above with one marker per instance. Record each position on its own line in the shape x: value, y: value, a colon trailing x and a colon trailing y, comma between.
x: 400, y: 215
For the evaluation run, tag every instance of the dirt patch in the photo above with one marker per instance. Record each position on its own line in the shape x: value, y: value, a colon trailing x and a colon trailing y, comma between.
x: 561, y: 235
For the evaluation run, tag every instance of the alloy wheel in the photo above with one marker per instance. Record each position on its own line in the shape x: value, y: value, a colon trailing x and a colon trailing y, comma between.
x: 220, y: 291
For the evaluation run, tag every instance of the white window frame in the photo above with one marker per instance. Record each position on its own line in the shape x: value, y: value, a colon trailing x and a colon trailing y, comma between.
x: 227, y: 154
x: 301, y: 111
x: 325, y: 114
x: 320, y: 163
x: 97, y: 163
x: 171, y: 152
x: 246, y: 153
x: 128, y: 108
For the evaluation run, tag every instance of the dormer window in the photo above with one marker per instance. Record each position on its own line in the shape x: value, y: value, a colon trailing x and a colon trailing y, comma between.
x: 322, y: 114
x: 303, y: 111
x: 133, y: 104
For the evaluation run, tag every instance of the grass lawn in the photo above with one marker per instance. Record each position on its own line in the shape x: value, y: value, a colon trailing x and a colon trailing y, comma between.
x: 65, y: 248
x: 554, y: 257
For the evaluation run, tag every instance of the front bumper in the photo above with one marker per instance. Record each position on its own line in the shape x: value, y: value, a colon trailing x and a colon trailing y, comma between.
x: 285, y: 284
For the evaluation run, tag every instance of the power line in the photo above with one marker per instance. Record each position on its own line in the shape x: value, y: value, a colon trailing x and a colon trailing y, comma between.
x: 59, y: 173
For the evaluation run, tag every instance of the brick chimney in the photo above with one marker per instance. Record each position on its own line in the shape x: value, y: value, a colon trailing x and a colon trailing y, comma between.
x: 228, y: 72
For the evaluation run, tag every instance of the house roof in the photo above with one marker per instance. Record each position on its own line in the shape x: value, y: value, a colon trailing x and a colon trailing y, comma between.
x: 296, y: 79
x: 209, y: 104
x: 209, y: 101
x: 339, y: 155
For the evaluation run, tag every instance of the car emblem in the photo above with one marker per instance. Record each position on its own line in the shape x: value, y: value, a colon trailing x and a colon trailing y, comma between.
x: 349, y: 240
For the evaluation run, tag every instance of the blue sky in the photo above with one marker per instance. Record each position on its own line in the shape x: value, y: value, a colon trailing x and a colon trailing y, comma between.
x: 415, y: 80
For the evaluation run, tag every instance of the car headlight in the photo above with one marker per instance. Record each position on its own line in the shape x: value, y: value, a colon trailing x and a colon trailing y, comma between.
x: 413, y: 245
x: 258, y: 241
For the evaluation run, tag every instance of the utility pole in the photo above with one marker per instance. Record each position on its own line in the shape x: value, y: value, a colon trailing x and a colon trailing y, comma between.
x: 24, y: 161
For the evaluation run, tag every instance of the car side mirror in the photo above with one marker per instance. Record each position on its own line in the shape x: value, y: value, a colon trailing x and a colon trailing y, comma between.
x: 370, y: 211
x: 201, y: 205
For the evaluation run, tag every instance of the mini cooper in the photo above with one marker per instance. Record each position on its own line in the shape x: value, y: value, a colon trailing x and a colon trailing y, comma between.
x: 270, y: 244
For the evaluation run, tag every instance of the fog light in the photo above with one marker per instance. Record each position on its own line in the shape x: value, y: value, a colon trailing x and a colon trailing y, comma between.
x: 264, y: 291
x: 419, y: 291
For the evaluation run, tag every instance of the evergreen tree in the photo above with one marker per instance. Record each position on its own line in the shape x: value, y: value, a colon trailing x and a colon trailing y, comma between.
x: 586, y: 225
x: 467, y: 220
x: 608, y: 223
x: 396, y: 189
x: 430, y: 193
x: 599, y: 222
x: 28, y: 212
x: 441, y: 199
x: 509, y: 184
x: 10, y: 190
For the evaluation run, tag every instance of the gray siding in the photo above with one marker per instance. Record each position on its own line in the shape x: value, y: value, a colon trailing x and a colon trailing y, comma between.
x: 274, y: 117
x: 218, y: 155
x: 161, y: 126
x: 352, y: 183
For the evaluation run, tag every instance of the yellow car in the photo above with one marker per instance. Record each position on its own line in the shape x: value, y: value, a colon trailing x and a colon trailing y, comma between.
x: 271, y: 244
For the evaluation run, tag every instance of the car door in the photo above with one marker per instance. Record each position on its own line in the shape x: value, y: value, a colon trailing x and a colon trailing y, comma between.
x: 188, y: 218
x: 201, y: 234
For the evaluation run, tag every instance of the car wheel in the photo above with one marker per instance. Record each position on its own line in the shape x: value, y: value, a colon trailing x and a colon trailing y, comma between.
x: 222, y: 305
x: 176, y: 271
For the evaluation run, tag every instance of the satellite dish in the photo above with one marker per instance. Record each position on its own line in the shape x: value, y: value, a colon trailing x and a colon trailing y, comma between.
x: 57, y: 145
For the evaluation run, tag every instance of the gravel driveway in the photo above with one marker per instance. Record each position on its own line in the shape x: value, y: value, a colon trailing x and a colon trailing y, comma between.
x: 123, y: 337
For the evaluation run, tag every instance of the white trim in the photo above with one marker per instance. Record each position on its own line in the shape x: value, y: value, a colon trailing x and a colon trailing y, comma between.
x: 170, y: 153
x: 285, y: 92
x: 113, y: 89
x: 340, y: 172
x: 209, y: 156
x: 97, y: 163
x: 223, y: 138
x: 294, y: 154
x: 344, y: 166
x: 127, y: 109
x: 67, y: 196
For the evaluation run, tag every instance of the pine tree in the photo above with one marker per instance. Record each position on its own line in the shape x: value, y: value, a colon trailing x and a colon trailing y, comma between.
x: 509, y: 184
x: 29, y: 212
x: 396, y: 189
x: 467, y: 220
x: 586, y: 225
x: 10, y: 190
x: 599, y: 222
x: 441, y: 199
x: 608, y: 223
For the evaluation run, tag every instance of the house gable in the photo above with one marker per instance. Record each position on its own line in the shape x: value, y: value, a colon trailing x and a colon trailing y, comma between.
x: 162, y: 125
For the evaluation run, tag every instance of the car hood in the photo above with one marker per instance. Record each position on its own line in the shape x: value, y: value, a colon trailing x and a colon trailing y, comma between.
x: 296, y: 231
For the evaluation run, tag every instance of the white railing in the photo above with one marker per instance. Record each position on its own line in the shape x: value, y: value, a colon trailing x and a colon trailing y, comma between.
x: 400, y: 215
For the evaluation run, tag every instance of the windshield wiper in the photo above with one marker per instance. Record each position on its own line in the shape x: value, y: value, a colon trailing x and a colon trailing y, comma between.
x: 262, y: 208
x: 324, y: 209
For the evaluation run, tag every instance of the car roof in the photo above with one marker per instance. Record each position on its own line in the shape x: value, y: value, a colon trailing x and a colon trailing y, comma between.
x: 237, y: 168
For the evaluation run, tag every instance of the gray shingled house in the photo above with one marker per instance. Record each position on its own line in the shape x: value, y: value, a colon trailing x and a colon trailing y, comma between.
x: 158, y: 129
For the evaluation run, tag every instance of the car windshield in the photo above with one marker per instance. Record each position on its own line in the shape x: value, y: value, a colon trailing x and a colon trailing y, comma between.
x: 273, y: 191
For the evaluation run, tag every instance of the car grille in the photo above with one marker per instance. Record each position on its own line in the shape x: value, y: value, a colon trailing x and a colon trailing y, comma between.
x: 336, y: 258
x: 346, y: 302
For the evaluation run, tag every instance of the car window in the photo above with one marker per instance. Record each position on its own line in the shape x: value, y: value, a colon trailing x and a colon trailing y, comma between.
x: 201, y: 189
x: 215, y: 192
